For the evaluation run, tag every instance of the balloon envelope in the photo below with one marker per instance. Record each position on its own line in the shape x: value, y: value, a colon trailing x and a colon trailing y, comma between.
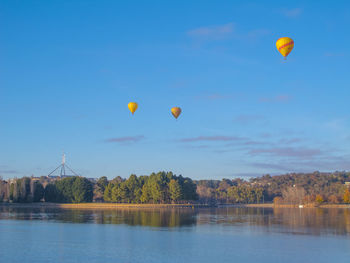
x: 176, y: 111
x: 285, y: 45
x: 132, y: 107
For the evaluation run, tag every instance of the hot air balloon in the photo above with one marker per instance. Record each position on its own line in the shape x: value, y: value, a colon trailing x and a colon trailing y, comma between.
x: 285, y: 46
x: 176, y: 111
x: 132, y: 107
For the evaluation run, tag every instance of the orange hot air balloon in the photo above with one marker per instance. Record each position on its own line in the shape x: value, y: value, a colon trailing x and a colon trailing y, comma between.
x: 176, y: 111
x: 285, y: 46
x: 132, y: 107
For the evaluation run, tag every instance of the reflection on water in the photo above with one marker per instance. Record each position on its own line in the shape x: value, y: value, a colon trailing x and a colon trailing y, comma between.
x: 311, y: 221
x: 134, y: 217
x: 314, y: 221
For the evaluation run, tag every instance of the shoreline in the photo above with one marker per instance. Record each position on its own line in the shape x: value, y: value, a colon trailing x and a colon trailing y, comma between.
x: 160, y: 206
x: 271, y: 205
x: 101, y: 206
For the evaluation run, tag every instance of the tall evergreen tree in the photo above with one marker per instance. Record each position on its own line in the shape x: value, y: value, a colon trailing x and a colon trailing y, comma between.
x: 38, y: 191
x: 174, y: 190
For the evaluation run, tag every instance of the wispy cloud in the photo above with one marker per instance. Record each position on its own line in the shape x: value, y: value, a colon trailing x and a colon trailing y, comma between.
x: 229, y: 30
x: 212, y: 139
x: 4, y: 171
x: 266, y: 135
x: 326, y: 163
x: 253, y: 142
x: 276, y: 99
x: 291, y: 13
x: 290, y: 140
x: 202, y: 146
x: 249, y: 145
x: 287, y: 152
x: 127, y: 139
x: 212, y: 32
x: 239, y: 175
x: 248, y: 118
x: 271, y: 166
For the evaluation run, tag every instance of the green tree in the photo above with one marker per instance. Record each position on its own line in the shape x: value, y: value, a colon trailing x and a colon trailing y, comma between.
x: 102, y: 182
x: 107, y: 195
x: 99, y: 189
x: 51, y: 193
x: 12, y: 192
x: 38, y: 191
x: 259, y: 193
x: 132, y: 185
x: 4, y: 190
x: 64, y: 189
x: 116, y: 194
x: 81, y: 190
x: 74, y: 189
x: 232, y: 194
x: 24, y: 190
x: 189, y: 190
x: 137, y: 195
x: 124, y: 193
x: 156, y: 194
x: 146, y: 193
x: 174, y: 190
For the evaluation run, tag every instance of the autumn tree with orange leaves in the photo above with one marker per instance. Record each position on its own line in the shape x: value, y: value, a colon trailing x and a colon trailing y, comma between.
x: 346, y: 196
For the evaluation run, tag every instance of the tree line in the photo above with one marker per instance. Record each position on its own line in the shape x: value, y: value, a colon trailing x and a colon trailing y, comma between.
x: 165, y: 187
x: 292, y: 188
x: 229, y: 191
x: 157, y: 188
x: 23, y: 190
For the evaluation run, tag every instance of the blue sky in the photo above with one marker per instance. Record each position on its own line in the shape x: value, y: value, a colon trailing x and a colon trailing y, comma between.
x: 69, y: 68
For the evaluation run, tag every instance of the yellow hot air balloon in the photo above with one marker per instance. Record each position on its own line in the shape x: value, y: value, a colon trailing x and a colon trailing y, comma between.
x: 285, y: 46
x: 132, y: 107
x: 176, y: 111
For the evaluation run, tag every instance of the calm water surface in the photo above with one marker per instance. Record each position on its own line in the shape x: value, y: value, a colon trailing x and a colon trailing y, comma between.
x: 175, y: 235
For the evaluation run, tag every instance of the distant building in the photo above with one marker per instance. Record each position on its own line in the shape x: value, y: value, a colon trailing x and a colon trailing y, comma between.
x: 11, y: 180
x: 53, y: 177
x: 62, y: 171
x: 35, y: 178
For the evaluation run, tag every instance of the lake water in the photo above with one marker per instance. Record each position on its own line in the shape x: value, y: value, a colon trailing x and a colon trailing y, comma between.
x: 175, y: 235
